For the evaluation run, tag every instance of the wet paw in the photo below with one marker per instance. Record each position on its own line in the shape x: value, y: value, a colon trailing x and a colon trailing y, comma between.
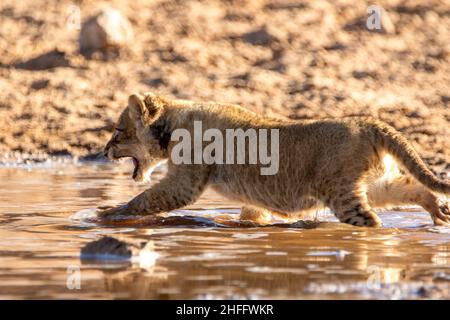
x: 364, y: 221
x: 442, y: 216
x: 255, y: 215
x: 445, y: 208
x: 115, y: 211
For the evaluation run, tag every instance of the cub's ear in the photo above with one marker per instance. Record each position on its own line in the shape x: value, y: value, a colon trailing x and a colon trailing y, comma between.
x: 145, y: 109
x: 136, y: 107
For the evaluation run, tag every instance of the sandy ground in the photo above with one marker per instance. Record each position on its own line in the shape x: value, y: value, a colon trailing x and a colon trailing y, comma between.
x: 297, y: 59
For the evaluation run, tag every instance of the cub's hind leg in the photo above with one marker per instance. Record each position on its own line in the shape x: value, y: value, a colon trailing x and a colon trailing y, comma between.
x: 403, y: 190
x: 350, y: 205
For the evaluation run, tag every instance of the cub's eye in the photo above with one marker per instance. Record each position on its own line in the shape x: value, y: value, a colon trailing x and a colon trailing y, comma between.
x: 117, y: 137
x: 118, y: 134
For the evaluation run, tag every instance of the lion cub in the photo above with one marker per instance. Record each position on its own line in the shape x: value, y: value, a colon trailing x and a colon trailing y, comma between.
x: 348, y: 165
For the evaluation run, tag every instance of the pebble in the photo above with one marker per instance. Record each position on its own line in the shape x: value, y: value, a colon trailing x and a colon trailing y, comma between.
x: 107, y: 29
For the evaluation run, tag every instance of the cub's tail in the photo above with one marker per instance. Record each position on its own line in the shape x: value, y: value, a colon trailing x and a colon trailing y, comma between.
x: 399, y: 147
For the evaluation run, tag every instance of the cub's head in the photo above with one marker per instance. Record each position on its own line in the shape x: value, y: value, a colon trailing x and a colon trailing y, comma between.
x: 140, y: 134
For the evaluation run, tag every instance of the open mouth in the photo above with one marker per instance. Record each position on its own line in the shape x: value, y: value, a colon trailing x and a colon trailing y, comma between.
x: 136, y: 163
x: 136, y: 167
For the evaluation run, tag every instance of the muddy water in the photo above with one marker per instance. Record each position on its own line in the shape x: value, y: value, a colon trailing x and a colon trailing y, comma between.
x: 202, y: 252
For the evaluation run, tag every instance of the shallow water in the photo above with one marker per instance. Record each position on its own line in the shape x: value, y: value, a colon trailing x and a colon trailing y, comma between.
x: 201, y: 252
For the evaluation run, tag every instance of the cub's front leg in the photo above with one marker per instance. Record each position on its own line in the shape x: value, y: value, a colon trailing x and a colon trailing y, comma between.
x: 182, y: 185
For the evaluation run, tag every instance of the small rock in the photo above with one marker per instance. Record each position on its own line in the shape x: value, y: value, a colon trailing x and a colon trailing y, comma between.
x: 424, y: 65
x: 108, y: 248
x: 40, y: 84
x: 361, y: 74
x: 260, y: 37
x: 285, y: 5
x: 108, y: 29
x: 156, y: 82
x: 445, y: 99
x: 335, y: 46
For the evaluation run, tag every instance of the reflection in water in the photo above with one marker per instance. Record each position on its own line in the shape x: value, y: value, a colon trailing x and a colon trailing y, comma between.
x: 203, y: 251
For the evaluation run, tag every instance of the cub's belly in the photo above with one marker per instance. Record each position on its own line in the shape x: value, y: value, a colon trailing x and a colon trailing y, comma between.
x: 274, y: 197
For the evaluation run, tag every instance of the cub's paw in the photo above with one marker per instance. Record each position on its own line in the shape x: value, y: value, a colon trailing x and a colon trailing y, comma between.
x: 442, y: 215
x: 255, y: 215
x: 122, y: 210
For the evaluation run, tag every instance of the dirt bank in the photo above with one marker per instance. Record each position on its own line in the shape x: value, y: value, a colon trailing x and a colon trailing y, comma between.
x: 298, y: 59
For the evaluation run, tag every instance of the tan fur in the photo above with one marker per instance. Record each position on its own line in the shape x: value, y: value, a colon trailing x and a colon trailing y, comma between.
x: 343, y: 164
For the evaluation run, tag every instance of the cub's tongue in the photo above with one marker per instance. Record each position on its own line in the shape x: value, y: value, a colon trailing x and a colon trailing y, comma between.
x: 136, y: 166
